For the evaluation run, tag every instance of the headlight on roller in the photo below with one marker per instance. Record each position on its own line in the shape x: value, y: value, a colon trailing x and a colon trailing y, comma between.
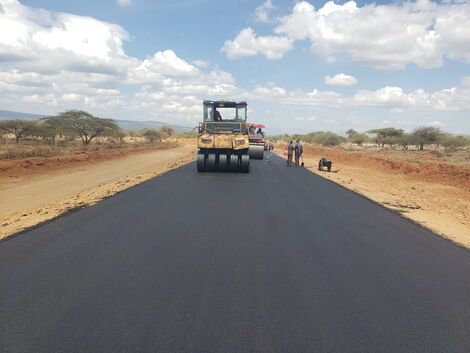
x: 239, y: 142
x: 206, y: 140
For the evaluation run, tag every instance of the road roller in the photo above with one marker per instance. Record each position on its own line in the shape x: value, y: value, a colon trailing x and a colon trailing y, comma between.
x: 222, y: 141
x: 257, y: 141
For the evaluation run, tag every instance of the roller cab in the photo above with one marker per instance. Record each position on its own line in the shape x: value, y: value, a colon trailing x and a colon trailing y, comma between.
x: 223, y: 140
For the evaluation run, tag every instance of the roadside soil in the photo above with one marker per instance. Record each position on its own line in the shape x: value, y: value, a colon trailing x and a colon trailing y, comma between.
x: 35, y: 190
x: 23, y: 167
x: 433, y: 194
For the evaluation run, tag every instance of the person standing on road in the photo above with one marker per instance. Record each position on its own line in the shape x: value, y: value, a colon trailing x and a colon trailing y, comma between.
x: 290, y: 152
x: 298, y: 152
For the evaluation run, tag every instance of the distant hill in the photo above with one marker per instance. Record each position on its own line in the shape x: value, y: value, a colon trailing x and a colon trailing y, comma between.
x: 8, y: 114
x: 149, y: 124
x: 123, y: 124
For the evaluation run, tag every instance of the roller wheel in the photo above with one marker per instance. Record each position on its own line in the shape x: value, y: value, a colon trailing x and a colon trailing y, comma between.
x: 256, y: 152
x: 223, y: 163
x: 201, y: 162
x: 245, y: 163
x: 234, y: 163
x: 211, y: 162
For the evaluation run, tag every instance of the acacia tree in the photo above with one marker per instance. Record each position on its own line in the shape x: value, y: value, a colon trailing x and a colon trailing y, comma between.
x: 166, y: 130
x: 351, y: 133
x: 427, y: 135
x: 19, y: 128
x: 386, y: 136
x: 54, y: 126
x: 88, y: 126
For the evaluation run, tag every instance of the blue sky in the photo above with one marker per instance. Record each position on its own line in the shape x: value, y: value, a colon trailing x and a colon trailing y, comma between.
x: 302, y: 66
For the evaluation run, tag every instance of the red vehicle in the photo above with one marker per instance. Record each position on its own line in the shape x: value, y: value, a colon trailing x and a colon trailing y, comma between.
x: 257, y: 141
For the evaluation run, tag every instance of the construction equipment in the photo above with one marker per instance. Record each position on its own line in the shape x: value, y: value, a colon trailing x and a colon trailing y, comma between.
x: 223, y: 138
x: 257, y: 141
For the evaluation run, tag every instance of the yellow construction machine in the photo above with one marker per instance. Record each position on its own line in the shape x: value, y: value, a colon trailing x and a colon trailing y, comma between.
x: 223, y: 138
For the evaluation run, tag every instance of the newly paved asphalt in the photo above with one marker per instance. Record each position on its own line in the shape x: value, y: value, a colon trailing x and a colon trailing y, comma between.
x: 279, y: 260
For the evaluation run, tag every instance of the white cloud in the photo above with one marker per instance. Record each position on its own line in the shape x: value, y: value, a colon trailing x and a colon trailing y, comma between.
x: 69, y: 42
x: 262, y: 12
x: 201, y: 63
x: 340, y: 80
x: 301, y: 118
x: 72, y: 97
x: 436, y: 123
x: 124, y: 3
x: 397, y: 111
x: 162, y: 63
x: 48, y: 99
x: 246, y: 43
x: 384, y: 36
x: 329, y: 121
x: 449, y: 99
x: 86, y: 66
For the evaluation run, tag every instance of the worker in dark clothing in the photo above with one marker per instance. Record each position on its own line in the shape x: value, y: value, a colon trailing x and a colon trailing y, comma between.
x: 260, y: 132
x: 290, y: 153
x: 298, y: 149
x: 217, y: 116
x: 323, y: 162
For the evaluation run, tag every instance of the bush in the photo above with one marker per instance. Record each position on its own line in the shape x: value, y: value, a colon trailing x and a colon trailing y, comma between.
x: 406, y: 140
x: 452, y: 143
x: 323, y: 138
x: 358, y: 139
x: 152, y: 135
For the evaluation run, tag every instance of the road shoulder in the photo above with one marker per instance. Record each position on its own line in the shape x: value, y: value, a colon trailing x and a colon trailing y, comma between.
x: 28, y: 202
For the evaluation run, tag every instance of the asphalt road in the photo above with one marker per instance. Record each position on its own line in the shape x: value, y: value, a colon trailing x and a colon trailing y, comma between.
x: 279, y: 260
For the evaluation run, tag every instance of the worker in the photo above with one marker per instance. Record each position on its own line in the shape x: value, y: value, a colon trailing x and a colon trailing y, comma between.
x: 260, y: 132
x: 298, y: 149
x: 323, y: 162
x: 290, y: 152
x: 217, y: 116
x: 271, y: 146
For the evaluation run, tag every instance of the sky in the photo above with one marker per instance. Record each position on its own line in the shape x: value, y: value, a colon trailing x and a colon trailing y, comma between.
x: 302, y: 66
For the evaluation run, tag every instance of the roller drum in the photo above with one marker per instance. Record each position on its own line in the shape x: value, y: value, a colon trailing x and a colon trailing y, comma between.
x: 256, y: 151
